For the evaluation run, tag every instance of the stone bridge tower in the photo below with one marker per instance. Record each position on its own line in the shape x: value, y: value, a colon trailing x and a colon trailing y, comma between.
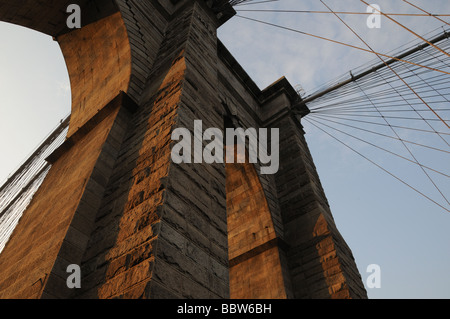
x: 141, y: 226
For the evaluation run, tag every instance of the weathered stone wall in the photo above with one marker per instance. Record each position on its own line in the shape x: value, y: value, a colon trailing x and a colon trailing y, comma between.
x: 321, y: 264
x: 313, y: 255
x: 166, y: 237
x: 254, y: 258
x: 142, y: 226
x: 92, y: 55
x: 53, y: 226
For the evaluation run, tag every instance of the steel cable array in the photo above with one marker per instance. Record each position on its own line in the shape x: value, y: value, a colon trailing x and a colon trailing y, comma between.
x: 400, y: 106
x: 400, y: 99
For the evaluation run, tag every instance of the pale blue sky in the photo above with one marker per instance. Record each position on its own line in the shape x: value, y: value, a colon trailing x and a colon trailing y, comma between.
x: 383, y: 222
